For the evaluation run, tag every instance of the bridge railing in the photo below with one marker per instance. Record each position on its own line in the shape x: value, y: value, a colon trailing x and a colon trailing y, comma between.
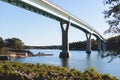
x: 53, y: 3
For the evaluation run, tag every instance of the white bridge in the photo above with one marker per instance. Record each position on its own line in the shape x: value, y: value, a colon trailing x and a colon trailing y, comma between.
x: 45, y: 8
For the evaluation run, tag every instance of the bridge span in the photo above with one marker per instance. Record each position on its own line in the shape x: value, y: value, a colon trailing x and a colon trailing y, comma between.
x: 45, y: 8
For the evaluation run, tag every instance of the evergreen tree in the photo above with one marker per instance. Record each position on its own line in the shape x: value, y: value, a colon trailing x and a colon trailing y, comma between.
x: 14, y: 43
x: 1, y: 42
x: 112, y: 15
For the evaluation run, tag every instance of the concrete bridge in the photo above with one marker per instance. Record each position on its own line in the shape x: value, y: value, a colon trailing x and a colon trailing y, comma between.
x: 45, y: 8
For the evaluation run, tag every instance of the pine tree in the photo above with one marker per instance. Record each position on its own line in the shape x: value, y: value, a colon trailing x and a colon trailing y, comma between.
x: 112, y: 15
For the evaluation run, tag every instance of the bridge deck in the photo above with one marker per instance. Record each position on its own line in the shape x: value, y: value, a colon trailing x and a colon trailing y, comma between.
x: 49, y: 10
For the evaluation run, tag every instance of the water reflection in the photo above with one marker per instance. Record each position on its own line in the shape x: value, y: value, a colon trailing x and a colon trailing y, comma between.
x: 102, y: 53
x: 111, y: 55
x: 88, y: 60
x: 64, y: 62
x: 79, y: 60
x: 94, y: 60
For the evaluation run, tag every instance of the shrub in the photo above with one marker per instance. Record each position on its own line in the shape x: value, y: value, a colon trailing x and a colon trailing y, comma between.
x: 27, y: 71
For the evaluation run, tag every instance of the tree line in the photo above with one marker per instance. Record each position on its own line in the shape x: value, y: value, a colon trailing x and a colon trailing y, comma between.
x: 112, y: 43
x: 10, y: 43
x: 43, y: 47
x: 15, y: 43
x: 81, y: 45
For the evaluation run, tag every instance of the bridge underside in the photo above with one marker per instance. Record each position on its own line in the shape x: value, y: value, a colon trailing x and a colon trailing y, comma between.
x: 41, y: 12
x: 65, y: 46
x: 32, y: 8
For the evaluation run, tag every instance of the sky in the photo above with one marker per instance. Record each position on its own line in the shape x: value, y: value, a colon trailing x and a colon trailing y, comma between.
x: 36, y: 30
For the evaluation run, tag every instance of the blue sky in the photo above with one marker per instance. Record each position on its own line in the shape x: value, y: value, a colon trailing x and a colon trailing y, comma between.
x: 34, y: 29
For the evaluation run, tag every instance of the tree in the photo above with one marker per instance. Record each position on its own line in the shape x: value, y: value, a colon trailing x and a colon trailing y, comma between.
x: 113, y: 15
x: 14, y: 43
x: 2, y: 47
x: 1, y: 43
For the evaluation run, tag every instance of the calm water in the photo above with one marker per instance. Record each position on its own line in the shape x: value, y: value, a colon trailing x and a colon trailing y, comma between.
x: 79, y: 60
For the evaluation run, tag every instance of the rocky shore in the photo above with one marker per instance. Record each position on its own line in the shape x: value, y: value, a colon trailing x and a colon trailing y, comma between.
x: 20, y: 54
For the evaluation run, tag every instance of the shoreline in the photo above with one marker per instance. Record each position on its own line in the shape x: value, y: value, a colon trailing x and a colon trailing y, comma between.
x: 21, y: 54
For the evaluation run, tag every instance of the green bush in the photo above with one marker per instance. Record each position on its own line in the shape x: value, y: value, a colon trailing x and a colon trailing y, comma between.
x: 3, y: 51
x: 26, y: 71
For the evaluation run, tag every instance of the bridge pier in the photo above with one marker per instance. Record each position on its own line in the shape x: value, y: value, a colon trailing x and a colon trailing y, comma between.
x: 103, y: 46
x: 65, y: 45
x: 99, y: 44
x: 88, y: 36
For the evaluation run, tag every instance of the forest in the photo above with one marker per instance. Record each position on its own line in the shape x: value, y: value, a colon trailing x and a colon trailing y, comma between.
x: 112, y: 44
x: 10, y: 44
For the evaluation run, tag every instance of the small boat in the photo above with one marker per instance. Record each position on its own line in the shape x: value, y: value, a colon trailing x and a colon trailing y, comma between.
x: 43, y: 54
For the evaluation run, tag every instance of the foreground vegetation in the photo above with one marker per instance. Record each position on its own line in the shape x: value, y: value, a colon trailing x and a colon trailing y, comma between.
x: 26, y: 71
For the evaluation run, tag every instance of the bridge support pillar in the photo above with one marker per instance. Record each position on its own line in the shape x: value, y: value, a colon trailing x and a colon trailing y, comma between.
x: 65, y: 45
x: 103, y: 46
x: 99, y: 44
x: 88, y: 50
